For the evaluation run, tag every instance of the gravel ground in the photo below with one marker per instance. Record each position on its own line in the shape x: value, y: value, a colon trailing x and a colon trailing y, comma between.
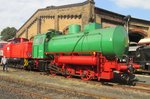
x: 11, y: 90
x: 6, y: 94
x: 50, y: 81
x: 143, y: 78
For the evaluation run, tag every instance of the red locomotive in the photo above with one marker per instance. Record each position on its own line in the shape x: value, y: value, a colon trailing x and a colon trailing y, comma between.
x: 18, y: 48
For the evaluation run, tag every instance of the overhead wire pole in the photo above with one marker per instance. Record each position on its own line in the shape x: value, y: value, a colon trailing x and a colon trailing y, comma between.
x: 127, y: 21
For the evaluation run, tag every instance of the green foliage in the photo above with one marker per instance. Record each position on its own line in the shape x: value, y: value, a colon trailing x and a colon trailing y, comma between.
x: 8, y: 33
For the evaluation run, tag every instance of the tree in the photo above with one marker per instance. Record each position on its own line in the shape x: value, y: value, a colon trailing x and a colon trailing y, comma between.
x: 8, y: 33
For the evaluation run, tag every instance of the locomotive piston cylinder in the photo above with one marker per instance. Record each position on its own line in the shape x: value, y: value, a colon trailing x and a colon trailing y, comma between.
x: 79, y: 60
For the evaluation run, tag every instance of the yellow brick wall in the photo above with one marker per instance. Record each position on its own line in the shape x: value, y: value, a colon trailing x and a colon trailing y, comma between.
x: 149, y: 32
x: 98, y: 19
x: 23, y: 35
x: 64, y: 22
x: 46, y: 24
x: 32, y: 30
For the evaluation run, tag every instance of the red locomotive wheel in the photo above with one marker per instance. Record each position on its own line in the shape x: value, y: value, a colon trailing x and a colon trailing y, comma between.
x: 68, y: 74
x: 86, y: 75
x: 52, y: 72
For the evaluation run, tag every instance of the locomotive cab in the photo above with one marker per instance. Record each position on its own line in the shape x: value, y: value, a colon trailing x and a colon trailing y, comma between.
x: 40, y: 44
x: 141, y: 53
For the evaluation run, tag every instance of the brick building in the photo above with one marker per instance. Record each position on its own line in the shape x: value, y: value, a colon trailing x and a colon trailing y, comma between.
x: 59, y: 17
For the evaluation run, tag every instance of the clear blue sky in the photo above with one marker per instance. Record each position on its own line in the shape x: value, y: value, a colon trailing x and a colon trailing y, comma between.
x: 135, y: 8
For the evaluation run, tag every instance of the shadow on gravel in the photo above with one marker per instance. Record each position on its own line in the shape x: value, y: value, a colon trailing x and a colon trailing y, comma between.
x: 8, y: 71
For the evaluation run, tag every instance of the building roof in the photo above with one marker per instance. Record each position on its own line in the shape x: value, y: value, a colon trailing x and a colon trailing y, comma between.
x: 81, y: 4
x: 117, y: 14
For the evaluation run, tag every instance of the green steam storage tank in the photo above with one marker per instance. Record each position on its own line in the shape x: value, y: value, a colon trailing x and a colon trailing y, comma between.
x: 111, y: 41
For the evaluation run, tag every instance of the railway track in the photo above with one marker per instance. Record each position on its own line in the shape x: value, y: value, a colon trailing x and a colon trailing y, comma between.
x: 143, y: 72
x: 138, y: 87
x: 47, y: 88
x: 69, y: 92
